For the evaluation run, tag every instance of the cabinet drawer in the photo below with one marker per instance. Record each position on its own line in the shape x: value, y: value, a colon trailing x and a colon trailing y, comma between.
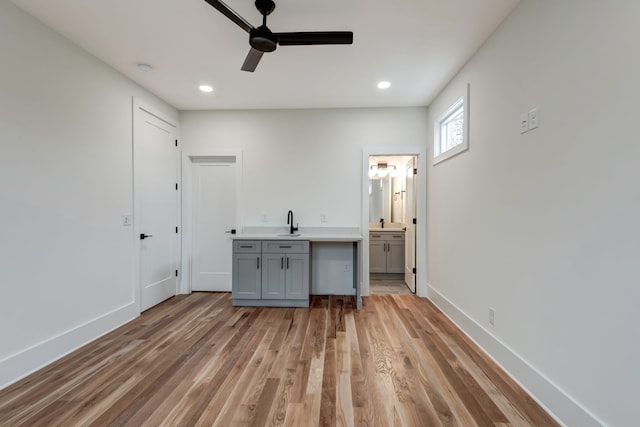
x: 386, y: 235
x: 285, y: 246
x: 247, y: 246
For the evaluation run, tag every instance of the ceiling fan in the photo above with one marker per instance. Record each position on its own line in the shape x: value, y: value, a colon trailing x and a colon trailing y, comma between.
x: 262, y: 39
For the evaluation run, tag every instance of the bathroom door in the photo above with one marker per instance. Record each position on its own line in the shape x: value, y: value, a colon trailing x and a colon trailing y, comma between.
x: 214, y: 215
x: 410, y: 234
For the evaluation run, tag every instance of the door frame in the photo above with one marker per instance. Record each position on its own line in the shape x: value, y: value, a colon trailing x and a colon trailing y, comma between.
x: 137, y: 108
x: 188, y: 158
x: 421, y: 214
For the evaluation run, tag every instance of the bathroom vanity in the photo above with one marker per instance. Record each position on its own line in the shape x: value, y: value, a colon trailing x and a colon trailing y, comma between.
x: 386, y: 251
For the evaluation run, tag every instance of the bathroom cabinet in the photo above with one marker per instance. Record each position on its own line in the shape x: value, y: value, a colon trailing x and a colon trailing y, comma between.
x: 271, y: 273
x: 386, y: 251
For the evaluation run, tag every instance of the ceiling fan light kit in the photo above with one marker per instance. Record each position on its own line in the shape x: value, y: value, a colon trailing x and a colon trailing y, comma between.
x: 262, y: 39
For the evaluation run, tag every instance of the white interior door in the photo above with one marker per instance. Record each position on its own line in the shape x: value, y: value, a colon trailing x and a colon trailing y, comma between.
x: 410, y: 234
x: 214, y: 214
x: 155, y: 164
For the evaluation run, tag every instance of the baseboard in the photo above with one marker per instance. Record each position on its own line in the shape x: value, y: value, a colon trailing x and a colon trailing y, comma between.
x: 23, y: 363
x: 559, y: 404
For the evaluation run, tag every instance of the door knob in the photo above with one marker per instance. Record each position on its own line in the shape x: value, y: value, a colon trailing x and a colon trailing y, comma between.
x: 144, y: 236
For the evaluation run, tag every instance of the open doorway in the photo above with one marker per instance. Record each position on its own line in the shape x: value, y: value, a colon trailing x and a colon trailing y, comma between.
x: 392, y: 218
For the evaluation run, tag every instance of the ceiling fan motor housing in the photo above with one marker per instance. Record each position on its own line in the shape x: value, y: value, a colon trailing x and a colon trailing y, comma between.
x: 263, y: 39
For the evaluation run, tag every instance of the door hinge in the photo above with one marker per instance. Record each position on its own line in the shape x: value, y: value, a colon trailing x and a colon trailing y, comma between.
x: 415, y: 220
x: 415, y: 171
x: 414, y: 270
x: 176, y: 142
x: 176, y: 230
x: 176, y: 185
x: 176, y: 273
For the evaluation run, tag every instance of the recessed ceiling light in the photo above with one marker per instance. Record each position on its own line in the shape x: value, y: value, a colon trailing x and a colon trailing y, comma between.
x: 206, y: 88
x: 144, y: 67
x: 384, y: 85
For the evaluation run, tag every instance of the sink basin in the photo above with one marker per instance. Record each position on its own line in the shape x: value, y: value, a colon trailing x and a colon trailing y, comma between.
x: 289, y: 235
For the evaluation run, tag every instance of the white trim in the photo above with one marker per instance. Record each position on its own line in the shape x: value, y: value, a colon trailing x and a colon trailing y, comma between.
x: 464, y: 145
x: 560, y: 405
x: 188, y: 156
x: 421, y: 214
x: 17, y: 366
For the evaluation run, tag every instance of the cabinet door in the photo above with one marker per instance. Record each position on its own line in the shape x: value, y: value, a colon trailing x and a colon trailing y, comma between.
x: 395, y: 256
x: 377, y: 256
x: 246, y: 283
x: 273, y: 276
x: 297, y: 276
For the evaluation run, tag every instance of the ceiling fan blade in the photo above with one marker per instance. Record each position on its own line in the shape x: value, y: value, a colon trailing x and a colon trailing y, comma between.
x: 231, y: 14
x: 315, y: 37
x: 251, y: 61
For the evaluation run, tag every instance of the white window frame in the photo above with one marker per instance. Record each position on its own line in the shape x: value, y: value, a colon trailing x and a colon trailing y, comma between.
x: 439, y: 156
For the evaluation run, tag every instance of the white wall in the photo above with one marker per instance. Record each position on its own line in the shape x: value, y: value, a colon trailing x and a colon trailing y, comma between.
x: 66, y: 173
x: 309, y: 161
x: 544, y: 226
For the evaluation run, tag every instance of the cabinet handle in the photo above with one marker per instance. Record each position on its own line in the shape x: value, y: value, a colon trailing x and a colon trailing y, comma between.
x: 258, y: 259
x: 281, y: 263
x: 285, y: 247
x: 287, y: 263
x: 375, y: 235
x: 246, y: 246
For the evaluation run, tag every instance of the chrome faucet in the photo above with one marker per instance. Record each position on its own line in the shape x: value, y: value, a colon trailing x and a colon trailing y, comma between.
x: 290, y: 221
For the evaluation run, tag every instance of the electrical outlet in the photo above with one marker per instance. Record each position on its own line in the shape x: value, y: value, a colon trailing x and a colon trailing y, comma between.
x: 492, y: 316
x: 533, y: 119
x: 323, y: 217
x: 524, y: 123
x: 347, y: 267
x: 265, y: 217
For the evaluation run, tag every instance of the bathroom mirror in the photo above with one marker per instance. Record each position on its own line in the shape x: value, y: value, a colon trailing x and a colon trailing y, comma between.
x: 386, y: 199
x: 380, y: 199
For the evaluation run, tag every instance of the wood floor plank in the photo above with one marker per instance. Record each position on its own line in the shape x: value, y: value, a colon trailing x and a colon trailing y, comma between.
x: 197, y: 360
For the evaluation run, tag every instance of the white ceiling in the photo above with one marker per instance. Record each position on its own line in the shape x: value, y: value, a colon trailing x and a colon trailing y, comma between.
x: 418, y: 45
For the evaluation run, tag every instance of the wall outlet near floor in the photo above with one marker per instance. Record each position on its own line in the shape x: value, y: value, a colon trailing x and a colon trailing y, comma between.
x: 492, y: 316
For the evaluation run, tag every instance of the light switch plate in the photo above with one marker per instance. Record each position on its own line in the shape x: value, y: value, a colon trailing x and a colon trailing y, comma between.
x: 524, y: 123
x: 533, y: 119
x: 127, y: 219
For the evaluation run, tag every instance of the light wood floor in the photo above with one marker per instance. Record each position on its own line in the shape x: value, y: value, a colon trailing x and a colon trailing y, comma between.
x: 196, y: 360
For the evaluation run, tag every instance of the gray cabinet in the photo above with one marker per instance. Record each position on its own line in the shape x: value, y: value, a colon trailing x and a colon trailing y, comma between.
x: 286, y: 270
x: 277, y: 275
x: 246, y: 270
x: 386, y: 252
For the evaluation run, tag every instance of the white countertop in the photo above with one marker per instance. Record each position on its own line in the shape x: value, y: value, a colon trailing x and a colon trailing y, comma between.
x: 313, y: 234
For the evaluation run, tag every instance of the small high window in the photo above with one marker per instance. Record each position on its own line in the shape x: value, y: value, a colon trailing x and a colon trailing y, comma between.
x: 451, y: 130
